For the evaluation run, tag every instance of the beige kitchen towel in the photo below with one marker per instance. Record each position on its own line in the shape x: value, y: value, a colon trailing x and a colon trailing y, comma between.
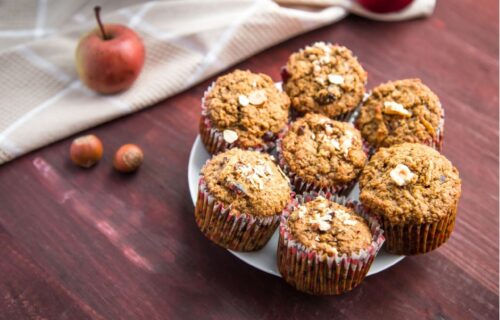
x: 42, y: 100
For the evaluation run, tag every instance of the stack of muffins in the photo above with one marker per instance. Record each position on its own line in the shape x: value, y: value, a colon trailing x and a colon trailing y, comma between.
x: 288, y: 159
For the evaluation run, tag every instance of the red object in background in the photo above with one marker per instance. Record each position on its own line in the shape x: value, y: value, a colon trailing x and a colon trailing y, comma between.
x: 109, y: 58
x: 384, y: 6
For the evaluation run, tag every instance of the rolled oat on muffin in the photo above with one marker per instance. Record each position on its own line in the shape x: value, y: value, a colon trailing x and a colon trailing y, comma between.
x: 241, y: 196
x: 327, y: 244
x: 324, y: 78
x: 321, y: 154
x: 415, y: 191
x: 243, y: 109
x: 401, y: 111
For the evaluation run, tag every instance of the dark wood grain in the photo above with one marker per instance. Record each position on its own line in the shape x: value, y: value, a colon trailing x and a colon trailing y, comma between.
x: 94, y: 244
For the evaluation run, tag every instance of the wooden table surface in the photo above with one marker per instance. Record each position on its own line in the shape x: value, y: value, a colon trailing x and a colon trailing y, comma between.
x: 94, y: 244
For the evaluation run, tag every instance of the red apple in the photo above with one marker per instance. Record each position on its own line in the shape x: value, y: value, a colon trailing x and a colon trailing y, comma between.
x: 384, y: 6
x: 110, y: 57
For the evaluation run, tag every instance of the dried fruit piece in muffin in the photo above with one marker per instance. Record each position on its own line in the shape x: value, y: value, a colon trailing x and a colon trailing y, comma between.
x: 415, y: 191
x: 401, y: 111
x: 243, y: 109
x: 324, y: 78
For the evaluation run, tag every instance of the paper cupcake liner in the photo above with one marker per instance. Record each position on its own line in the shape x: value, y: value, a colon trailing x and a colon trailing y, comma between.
x: 213, y: 139
x: 315, y: 273
x: 414, y: 239
x: 344, y: 117
x: 230, y: 229
x: 299, y: 185
x: 436, y: 143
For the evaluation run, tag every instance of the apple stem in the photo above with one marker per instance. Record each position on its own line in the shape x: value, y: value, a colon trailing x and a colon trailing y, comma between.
x: 97, y: 10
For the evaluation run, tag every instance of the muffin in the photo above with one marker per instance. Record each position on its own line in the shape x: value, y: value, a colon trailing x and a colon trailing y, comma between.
x: 241, y: 195
x: 324, y: 78
x: 415, y: 192
x: 401, y: 111
x: 327, y: 245
x: 245, y: 110
x: 320, y: 154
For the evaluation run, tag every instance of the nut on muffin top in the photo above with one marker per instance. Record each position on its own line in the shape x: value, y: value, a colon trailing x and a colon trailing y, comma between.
x: 329, y: 227
x: 248, y: 181
x: 324, y: 78
x: 410, y: 183
x: 247, y: 107
x: 400, y: 111
x: 322, y: 150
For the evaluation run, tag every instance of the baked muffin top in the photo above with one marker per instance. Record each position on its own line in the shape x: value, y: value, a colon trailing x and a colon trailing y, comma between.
x: 249, y: 181
x: 324, y: 78
x: 400, y: 111
x: 410, y: 183
x: 323, y: 151
x: 329, y: 227
x: 247, y: 107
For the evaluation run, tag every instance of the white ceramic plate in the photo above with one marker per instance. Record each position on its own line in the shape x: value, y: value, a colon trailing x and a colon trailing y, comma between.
x: 265, y: 259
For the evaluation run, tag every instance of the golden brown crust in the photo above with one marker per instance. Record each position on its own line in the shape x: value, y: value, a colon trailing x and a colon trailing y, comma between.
x: 325, y: 78
x: 418, y: 122
x: 330, y: 228
x: 323, y: 151
x: 228, y: 107
x: 428, y: 191
x: 249, y: 181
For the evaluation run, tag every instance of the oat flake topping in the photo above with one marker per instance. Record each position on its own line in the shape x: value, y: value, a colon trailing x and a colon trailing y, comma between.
x: 257, y: 174
x: 401, y: 175
x: 329, y: 227
x: 323, y: 216
x: 230, y: 136
x: 391, y: 107
x: 243, y: 100
x: 257, y: 97
x: 335, y: 79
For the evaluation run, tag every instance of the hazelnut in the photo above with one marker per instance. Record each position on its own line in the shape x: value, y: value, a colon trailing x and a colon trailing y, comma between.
x: 128, y: 158
x: 86, y: 151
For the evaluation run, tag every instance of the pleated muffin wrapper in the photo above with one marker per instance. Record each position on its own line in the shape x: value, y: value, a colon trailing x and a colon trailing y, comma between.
x: 229, y: 228
x: 418, y: 238
x: 436, y: 143
x: 300, y: 185
x: 345, y: 117
x: 213, y: 138
x: 315, y: 272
